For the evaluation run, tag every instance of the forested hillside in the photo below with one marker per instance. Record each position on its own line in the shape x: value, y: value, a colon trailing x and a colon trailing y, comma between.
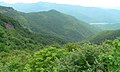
x: 58, y: 23
x: 50, y: 41
x: 52, y: 22
x: 104, y: 35
x: 20, y: 53
x: 14, y: 34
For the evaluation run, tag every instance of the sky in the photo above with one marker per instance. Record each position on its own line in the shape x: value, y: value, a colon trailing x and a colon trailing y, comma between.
x: 88, y: 3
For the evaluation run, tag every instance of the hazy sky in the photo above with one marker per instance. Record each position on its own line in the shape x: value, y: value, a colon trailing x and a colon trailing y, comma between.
x: 92, y: 3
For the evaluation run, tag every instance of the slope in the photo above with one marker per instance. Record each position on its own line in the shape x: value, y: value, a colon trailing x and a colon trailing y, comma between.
x: 53, y: 23
x: 105, y: 35
x: 58, y: 23
x: 14, y: 36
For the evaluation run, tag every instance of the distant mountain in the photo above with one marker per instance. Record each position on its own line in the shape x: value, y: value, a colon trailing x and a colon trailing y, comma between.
x: 58, y: 23
x: 105, y: 35
x: 53, y: 23
x: 87, y: 14
x: 107, y: 26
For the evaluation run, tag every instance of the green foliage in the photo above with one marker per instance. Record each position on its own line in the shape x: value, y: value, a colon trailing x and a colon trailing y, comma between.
x: 111, y: 59
x: 70, y: 47
x: 84, y: 58
x: 72, y: 57
x: 44, y: 60
x: 23, y: 51
x: 13, y: 61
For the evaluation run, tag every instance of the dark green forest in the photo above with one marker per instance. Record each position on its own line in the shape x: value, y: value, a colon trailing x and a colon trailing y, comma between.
x: 52, y: 22
x: 51, y: 41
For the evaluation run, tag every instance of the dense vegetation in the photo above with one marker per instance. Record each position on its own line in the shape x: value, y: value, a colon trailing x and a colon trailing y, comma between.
x: 52, y: 23
x: 22, y: 50
x: 104, y: 35
x: 13, y: 34
x: 71, y: 57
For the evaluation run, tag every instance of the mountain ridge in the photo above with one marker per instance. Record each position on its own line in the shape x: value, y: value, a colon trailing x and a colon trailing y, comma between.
x: 104, y: 35
x: 80, y: 12
x: 55, y: 23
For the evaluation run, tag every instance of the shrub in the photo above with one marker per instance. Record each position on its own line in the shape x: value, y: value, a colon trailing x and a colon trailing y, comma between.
x: 84, y: 58
x: 44, y: 60
x: 111, y: 59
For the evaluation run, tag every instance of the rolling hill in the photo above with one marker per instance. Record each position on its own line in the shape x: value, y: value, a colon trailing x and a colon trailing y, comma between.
x: 105, y: 35
x: 53, y: 23
x: 14, y: 35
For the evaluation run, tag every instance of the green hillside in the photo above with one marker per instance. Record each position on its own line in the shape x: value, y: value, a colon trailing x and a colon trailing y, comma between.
x: 20, y: 53
x: 105, y: 35
x: 58, y: 23
x: 15, y: 36
x: 41, y: 48
x: 53, y: 23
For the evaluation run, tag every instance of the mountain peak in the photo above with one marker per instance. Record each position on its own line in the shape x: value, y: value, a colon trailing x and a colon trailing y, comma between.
x: 5, y: 9
x: 54, y: 11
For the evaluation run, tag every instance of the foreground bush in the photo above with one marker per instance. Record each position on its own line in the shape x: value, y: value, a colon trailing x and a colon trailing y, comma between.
x: 44, y: 60
x: 111, y: 59
x: 13, y: 61
x: 85, y: 58
x: 71, y: 57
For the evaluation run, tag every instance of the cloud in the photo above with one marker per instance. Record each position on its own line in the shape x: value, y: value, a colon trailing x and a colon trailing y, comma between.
x: 91, y: 3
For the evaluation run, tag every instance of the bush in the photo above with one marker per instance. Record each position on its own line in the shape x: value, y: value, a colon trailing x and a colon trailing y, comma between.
x: 111, y: 59
x: 13, y: 61
x: 44, y: 60
x: 83, y: 58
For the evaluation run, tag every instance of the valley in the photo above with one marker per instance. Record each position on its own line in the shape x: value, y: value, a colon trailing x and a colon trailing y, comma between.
x: 50, y: 37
